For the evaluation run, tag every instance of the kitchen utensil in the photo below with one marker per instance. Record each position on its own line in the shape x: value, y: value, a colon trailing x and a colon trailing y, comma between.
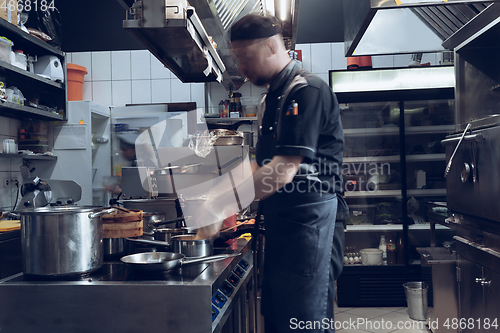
x: 192, y: 247
x: 233, y: 126
x: 62, y: 240
x: 185, y: 244
x: 248, y: 138
x: 165, y: 261
x: 236, y: 226
x: 116, y: 247
x: 229, y: 140
x: 148, y: 217
x: 165, y: 234
x: 156, y: 223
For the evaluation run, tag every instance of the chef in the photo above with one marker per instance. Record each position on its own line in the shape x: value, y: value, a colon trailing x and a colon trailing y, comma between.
x: 299, y: 156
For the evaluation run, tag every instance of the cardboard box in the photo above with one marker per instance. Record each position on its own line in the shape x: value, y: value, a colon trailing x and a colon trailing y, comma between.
x: 6, y: 13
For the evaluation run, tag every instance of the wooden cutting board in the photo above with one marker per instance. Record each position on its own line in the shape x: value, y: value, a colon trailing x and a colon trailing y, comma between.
x: 122, y: 229
x: 123, y: 215
x: 9, y: 225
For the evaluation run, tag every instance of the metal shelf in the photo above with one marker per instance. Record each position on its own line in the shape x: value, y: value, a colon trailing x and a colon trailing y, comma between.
x: 390, y: 227
x: 228, y: 120
x: 30, y: 157
x: 396, y: 193
x: 20, y: 73
x: 396, y: 158
x: 395, y: 130
x: 26, y: 42
x: 20, y: 111
x: 49, y: 92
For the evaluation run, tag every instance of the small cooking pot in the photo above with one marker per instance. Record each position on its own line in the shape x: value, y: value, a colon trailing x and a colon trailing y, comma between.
x: 185, y: 244
x: 165, y: 234
x: 190, y: 246
x: 149, y: 217
x: 60, y: 241
x: 116, y: 247
x: 165, y: 261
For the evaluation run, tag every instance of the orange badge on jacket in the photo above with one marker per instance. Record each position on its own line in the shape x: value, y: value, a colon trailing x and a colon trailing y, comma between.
x: 293, y: 109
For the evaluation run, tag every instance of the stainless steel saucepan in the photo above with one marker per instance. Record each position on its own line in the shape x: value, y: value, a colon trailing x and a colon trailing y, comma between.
x: 150, y: 262
x: 177, y: 227
x: 185, y: 244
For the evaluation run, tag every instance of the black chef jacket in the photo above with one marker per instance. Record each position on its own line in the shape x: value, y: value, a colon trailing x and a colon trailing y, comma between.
x: 313, y: 131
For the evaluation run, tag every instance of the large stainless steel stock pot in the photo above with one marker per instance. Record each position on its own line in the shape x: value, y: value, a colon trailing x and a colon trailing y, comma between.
x: 60, y: 241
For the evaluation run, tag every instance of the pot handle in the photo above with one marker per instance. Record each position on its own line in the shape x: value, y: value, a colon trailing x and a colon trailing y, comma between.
x: 208, y: 258
x: 147, y: 241
x: 156, y: 223
x: 102, y: 212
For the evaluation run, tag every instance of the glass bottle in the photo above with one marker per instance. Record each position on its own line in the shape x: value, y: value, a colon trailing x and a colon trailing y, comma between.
x: 237, y: 103
x: 400, y: 259
x: 391, y: 251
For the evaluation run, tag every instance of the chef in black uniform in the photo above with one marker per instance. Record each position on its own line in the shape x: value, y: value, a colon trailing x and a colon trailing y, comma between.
x: 299, y: 154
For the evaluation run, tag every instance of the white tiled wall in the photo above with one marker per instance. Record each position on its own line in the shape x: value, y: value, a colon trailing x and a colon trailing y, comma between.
x: 123, y: 77
x: 9, y: 167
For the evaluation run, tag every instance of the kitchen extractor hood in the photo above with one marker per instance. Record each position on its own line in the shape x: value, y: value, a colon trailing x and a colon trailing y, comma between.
x: 184, y: 39
x: 174, y: 33
x: 376, y: 27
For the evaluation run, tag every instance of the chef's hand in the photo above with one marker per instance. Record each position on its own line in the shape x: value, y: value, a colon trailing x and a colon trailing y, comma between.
x: 209, y: 231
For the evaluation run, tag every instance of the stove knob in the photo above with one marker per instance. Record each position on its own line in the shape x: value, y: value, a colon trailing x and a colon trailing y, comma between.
x: 466, y: 171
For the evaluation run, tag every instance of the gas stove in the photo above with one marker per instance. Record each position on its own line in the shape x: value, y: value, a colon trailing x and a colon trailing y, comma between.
x: 195, y: 298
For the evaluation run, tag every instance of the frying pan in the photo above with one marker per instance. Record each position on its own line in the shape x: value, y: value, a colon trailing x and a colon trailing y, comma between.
x: 165, y: 261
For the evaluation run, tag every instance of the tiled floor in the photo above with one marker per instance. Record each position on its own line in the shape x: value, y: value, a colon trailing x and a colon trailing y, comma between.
x: 377, y: 320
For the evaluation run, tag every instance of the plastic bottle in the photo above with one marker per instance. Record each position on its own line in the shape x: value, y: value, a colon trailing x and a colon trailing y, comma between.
x: 391, y: 251
x: 400, y: 254
x: 383, y: 246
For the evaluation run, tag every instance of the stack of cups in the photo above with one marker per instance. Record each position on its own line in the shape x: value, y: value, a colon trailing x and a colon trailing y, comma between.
x: 9, y: 146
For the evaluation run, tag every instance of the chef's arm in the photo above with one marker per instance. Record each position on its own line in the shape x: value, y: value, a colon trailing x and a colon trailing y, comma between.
x: 265, y: 181
x: 274, y: 175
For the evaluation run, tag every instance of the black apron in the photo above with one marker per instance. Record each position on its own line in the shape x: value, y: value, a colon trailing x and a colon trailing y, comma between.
x: 298, y: 247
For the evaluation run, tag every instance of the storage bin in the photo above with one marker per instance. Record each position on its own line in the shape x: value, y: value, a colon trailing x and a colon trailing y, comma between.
x: 19, y: 60
x: 371, y: 256
x: 416, y: 297
x: 5, y: 49
x: 75, y: 77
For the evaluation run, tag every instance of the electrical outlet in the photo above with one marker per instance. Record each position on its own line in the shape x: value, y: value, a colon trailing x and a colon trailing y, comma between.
x: 10, y: 181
